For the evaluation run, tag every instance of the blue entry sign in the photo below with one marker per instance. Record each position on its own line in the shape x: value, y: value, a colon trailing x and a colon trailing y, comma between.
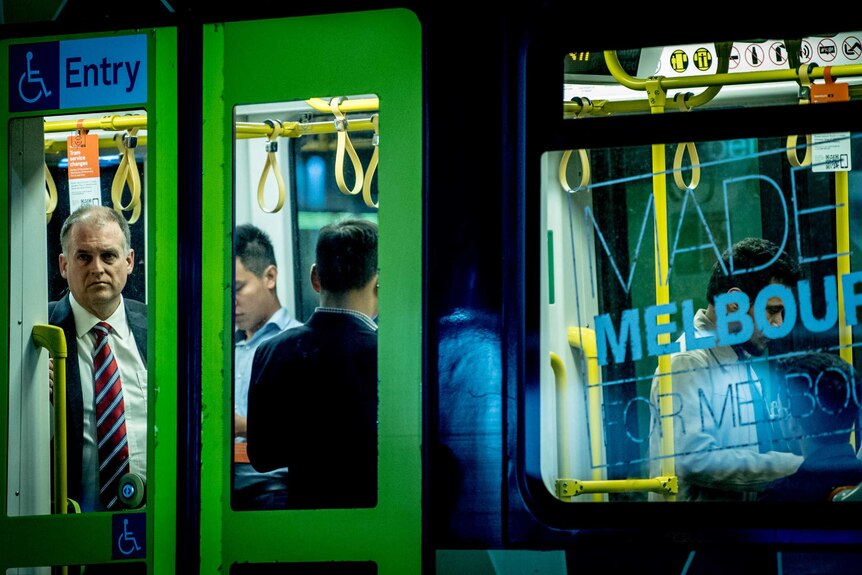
x: 78, y: 73
x: 129, y: 536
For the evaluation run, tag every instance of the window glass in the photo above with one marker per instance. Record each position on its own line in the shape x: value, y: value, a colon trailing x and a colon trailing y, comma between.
x: 678, y: 367
x: 300, y: 167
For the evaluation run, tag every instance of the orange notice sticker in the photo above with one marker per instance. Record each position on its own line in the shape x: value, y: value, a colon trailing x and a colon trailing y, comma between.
x: 83, y: 154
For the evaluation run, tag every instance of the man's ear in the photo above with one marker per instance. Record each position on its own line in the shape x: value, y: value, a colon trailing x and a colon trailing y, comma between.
x: 733, y: 306
x: 63, y: 265
x: 270, y: 275
x: 315, y: 279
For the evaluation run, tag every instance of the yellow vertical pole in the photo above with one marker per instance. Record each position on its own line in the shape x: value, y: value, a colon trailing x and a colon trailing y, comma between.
x: 564, y: 469
x: 842, y: 246
x: 584, y: 339
x: 657, y: 99
x: 842, y: 240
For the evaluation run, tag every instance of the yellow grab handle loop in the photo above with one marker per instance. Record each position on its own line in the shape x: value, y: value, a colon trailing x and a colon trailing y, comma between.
x: 585, y: 171
x: 271, y: 164
x: 793, y: 153
x: 804, y: 98
x: 682, y: 101
x: 677, y: 166
x: 372, y: 166
x: 586, y: 106
x: 51, y: 190
x: 127, y: 172
x: 345, y: 144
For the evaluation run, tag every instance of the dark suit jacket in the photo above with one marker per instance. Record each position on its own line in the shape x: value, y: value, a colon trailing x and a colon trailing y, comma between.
x: 60, y: 314
x: 829, y: 467
x: 312, y: 407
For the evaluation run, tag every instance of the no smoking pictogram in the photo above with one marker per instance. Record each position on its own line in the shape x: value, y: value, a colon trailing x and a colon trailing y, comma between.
x: 734, y: 57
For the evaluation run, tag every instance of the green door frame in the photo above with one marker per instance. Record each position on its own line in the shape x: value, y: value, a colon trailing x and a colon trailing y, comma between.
x: 43, y: 540
x: 279, y: 60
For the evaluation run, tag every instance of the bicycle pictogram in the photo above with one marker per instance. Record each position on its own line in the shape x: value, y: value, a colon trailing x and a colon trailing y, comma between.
x: 32, y: 77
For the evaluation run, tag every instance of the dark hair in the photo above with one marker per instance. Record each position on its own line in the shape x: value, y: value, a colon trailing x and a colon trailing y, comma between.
x: 822, y: 393
x: 99, y: 216
x: 346, y: 255
x: 254, y: 249
x: 748, y: 254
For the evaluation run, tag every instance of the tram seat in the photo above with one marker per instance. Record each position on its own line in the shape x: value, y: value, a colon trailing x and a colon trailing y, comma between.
x: 846, y: 493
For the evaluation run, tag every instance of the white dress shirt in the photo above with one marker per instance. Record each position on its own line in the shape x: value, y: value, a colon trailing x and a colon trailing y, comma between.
x: 133, y: 375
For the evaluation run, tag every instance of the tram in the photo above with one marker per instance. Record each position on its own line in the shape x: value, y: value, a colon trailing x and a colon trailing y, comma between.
x: 553, y: 198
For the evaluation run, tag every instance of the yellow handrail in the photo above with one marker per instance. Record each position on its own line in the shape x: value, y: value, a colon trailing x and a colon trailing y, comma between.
x: 109, y: 123
x: 713, y: 82
x: 584, y: 338
x: 574, y: 487
x: 245, y: 130
x: 52, y: 338
x: 559, y: 369
x: 354, y: 105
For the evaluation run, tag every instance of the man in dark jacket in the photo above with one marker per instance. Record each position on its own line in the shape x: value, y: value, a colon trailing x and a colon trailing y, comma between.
x: 313, y: 395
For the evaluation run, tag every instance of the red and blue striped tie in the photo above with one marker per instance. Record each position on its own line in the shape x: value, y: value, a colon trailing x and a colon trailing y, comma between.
x: 110, y: 418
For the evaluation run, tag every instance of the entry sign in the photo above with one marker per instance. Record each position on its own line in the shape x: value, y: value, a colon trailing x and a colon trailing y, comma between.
x: 91, y: 72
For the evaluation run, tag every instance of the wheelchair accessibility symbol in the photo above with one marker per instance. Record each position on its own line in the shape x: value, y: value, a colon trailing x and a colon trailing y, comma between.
x: 126, y: 542
x: 129, y: 536
x: 31, y: 86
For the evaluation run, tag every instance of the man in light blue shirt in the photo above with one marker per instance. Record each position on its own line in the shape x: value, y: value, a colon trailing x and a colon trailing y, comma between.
x: 259, y: 316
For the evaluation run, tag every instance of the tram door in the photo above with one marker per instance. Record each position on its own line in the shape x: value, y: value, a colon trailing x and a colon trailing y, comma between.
x: 88, y: 121
x: 319, y: 123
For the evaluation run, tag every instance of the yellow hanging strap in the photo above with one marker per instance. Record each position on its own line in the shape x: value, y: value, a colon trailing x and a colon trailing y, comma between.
x: 585, y: 171
x: 127, y: 173
x: 677, y: 166
x: 372, y: 166
x: 344, y: 144
x: 51, y: 190
x: 271, y: 164
x: 804, y: 98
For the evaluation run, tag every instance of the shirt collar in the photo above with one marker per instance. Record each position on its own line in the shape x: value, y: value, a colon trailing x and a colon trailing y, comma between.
x: 357, y: 314
x: 279, y: 321
x: 84, y: 320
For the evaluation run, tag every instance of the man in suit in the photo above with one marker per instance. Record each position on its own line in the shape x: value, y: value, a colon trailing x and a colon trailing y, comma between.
x: 313, y: 397
x: 96, y: 261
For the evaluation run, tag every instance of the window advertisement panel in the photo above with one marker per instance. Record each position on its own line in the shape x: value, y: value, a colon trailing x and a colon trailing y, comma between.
x: 699, y: 312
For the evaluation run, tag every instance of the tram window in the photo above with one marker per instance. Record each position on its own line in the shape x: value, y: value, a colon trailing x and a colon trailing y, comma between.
x: 688, y: 77
x: 627, y: 260
x: 297, y: 171
x: 64, y: 163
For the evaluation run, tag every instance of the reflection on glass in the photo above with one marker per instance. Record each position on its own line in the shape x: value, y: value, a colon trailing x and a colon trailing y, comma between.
x: 90, y: 168
x: 308, y: 373
x: 701, y: 321
x: 695, y: 76
x: 124, y: 568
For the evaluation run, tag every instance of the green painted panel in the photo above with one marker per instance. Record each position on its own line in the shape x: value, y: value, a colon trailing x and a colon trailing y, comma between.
x: 87, y: 538
x: 282, y: 60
